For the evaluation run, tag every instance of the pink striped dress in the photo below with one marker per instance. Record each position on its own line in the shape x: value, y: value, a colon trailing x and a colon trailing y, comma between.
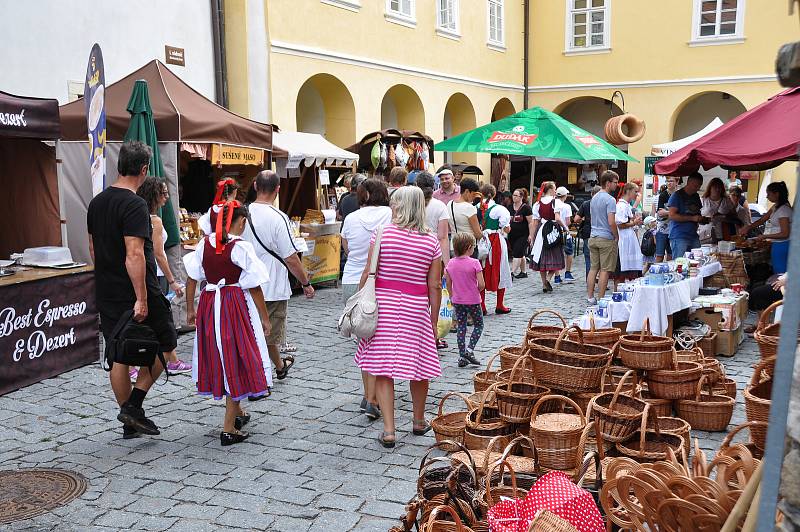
x: 403, y: 346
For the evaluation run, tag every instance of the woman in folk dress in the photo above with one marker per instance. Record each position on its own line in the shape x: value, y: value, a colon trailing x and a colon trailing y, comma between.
x: 226, y: 191
x: 409, y: 291
x: 630, y: 259
x: 496, y: 223
x: 230, y: 349
x: 548, y: 261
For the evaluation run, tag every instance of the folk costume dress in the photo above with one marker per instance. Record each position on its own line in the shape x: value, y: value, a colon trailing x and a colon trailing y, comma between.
x: 496, y: 271
x: 552, y: 259
x: 230, y: 351
x: 403, y: 346
x: 631, y: 260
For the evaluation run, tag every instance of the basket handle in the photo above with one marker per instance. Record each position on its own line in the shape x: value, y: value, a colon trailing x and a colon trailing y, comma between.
x: 517, y: 441
x: 564, y: 333
x: 643, y: 429
x: 762, y: 321
x: 524, y: 358
x: 438, y: 445
x: 563, y: 399
x: 503, y: 464
x: 618, y: 389
x: 598, y: 468
x: 547, y: 311
x: 592, y: 327
x: 483, y: 403
x: 458, y: 394
x: 491, y: 360
x: 699, y: 388
x: 451, y: 512
x: 492, y: 443
x: 748, y: 425
x: 762, y: 364
x: 645, y: 329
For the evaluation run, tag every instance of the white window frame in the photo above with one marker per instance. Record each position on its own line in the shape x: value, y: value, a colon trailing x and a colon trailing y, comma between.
x: 443, y: 31
x: 350, y: 5
x: 398, y: 17
x: 569, y: 48
x: 496, y: 44
x: 711, y: 40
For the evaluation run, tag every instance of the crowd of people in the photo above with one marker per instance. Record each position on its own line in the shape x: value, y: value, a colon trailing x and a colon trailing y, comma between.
x: 443, y: 231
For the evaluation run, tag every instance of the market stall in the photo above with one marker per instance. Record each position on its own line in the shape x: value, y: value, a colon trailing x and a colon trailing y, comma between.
x: 380, y: 151
x: 48, y: 323
x: 308, y: 166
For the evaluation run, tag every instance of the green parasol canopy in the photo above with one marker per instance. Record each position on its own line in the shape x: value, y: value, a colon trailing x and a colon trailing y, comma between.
x: 535, y: 133
x: 143, y: 128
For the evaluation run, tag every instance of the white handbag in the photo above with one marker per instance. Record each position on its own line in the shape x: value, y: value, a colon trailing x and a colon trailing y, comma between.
x: 360, y: 316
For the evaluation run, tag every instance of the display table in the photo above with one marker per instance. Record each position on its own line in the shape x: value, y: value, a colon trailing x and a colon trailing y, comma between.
x: 48, y: 324
x: 618, y: 312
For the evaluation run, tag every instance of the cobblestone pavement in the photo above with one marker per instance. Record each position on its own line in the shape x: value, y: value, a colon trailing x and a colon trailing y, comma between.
x: 312, y: 462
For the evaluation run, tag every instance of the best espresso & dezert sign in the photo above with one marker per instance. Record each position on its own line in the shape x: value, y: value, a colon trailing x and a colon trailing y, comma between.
x: 47, y: 327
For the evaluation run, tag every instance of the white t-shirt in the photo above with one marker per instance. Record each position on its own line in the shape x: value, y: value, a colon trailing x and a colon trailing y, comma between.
x: 274, y: 231
x: 463, y: 211
x: 435, y: 212
x: 358, y: 228
x: 773, y: 225
x: 564, y: 211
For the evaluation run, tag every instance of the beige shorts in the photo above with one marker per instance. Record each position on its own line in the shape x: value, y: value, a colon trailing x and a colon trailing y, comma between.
x: 277, y: 321
x: 603, y: 254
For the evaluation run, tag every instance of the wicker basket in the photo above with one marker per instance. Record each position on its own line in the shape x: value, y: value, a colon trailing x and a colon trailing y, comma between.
x: 509, y: 355
x: 483, y: 379
x: 612, y: 377
x: 557, y: 436
x: 604, y: 337
x: 567, y: 365
x: 534, y: 332
x: 708, y: 344
x: 678, y: 427
x: 757, y: 452
x: 713, y: 370
x: 434, y: 523
x: 492, y: 494
x: 659, y: 407
x: 484, y: 422
x: 707, y: 412
x: 766, y: 335
x: 450, y: 426
x: 646, y: 350
x: 515, y: 398
x: 547, y: 521
x: 689, y: 355
x: 678, y: 383
x: 726, y: 386
x: 474, y: 399
x: 757, y: 402
x: 651, y: 445
x: 616, y: 415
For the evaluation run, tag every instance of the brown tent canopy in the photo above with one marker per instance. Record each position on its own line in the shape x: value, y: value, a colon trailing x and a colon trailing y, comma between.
x: 181, y: 113
x: 30, y: 118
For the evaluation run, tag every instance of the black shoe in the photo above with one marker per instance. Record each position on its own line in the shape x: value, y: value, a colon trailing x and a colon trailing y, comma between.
x: 372, y: 411
x: 229, y: 438
x: 522, y: 275
x: 469, y: 357
x: 133, y: 417
x: 241, y: 421
x: 462, y: 362
x: 504, y: 310
x: 128, y: 433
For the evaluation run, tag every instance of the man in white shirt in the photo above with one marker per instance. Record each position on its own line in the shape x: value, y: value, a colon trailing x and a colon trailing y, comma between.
x: 565, y: 212
x: 436, y: 215
x: 269, y: 231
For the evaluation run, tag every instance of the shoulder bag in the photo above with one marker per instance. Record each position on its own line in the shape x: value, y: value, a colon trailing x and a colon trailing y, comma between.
x: 133, y: 344
x: 265, y: 248
x: 360, y: 316
x: 483, y: 247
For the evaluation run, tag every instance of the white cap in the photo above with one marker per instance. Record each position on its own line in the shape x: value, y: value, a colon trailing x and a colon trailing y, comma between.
x: 562, y: 191
x: 445, y: 171
x: 648, y: 220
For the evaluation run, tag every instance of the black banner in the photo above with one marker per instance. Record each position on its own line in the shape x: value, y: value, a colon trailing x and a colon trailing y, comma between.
x: 47, y: 327
x: 29, y: 118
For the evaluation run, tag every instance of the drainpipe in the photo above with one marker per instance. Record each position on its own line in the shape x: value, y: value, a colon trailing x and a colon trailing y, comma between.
x: 218, y: 37
x: 526, y: 50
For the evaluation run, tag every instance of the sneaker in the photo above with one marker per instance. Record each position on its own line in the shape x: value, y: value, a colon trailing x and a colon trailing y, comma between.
x: 462, y: 362
x: 134, y: 417
x: 591, y: 301
x: 373, y: 412
x: 133, y: 373
x: 557, y: 280
x: 568, y: 278
x: 179, y: 367
x: 469, y: 357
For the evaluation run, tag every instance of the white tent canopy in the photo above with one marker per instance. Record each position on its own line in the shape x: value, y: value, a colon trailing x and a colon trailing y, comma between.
x: 312, y: 148
x: 668, y: 148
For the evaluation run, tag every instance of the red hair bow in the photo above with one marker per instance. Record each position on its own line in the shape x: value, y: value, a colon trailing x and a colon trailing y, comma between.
x: 218, y: 199
x: 228, y: 216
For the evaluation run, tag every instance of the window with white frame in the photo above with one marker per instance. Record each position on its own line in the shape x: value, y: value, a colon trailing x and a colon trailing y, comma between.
x: 496, y: 23
x: 447, y: 15
x: 717, y: 20
x: 400, y: 8
x: 587, y: 24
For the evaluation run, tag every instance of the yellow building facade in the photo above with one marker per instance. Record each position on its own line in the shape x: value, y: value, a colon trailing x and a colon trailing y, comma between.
x: 345, y: 68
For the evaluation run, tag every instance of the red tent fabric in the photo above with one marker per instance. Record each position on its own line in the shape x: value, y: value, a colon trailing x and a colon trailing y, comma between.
x: 758, y: 139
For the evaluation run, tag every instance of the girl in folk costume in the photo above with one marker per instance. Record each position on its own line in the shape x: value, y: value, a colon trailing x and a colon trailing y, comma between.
x: 496, y: 224
x: 230, y: 350
x: 547, y: 260
x: 630, y: 259
x: 226, y: 191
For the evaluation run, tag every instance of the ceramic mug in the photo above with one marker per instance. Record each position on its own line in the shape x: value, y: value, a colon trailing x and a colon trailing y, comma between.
x: 616, y: 297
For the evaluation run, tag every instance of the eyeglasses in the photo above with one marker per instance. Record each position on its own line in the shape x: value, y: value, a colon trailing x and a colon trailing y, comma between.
x: 165, y: 193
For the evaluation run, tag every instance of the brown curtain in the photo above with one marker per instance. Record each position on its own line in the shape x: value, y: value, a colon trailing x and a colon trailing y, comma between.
x: 29, y: 214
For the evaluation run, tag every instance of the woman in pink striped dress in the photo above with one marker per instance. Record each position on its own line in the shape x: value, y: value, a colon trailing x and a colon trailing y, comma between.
x: 408, y: 289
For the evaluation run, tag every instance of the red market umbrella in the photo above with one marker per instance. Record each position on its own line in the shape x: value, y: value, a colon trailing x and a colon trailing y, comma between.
x: 758, y: 139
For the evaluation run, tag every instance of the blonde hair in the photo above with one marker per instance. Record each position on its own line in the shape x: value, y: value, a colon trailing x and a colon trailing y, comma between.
x: 462, y: 242
x: 408, y: 208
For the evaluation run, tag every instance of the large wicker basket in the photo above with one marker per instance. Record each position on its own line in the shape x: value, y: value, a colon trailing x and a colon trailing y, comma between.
x: 544, y: 331
x: 616, y: 415
x: 557, y: 435
x: 646, y: 350
x: 758, y: 399
x: 450, y: 426
x: 767, y: 335
x: 509, y: 355
x: 679, y: 427
x: 566, y: 365
x: 604, y: 337
x: 677, y: 383
x: 515, y: 397
x: 434, y: 523
x: 484, y: 422
x: 651, y: 445
x: 708, y: 412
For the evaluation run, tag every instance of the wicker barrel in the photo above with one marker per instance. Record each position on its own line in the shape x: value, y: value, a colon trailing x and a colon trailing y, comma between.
x: 706, y: 411
x: 557, y: 435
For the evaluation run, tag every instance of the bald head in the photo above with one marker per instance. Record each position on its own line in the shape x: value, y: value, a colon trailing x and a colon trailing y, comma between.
x: 266, y: 183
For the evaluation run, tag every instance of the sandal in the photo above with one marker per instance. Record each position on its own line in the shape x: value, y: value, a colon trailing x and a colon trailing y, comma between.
x: 389, y: 444
x: 441, y: 344
x: 425, y: 427
x: 288, y: 362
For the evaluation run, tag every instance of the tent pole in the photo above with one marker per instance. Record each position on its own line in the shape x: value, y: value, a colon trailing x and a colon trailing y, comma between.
x: 533, y: 171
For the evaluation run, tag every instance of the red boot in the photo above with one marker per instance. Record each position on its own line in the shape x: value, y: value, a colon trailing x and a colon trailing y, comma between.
x: 500, y: 308
x: 483, y: 302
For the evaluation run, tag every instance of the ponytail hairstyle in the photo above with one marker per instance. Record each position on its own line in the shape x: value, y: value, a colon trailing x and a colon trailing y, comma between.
x: 229, y: 212
x: 779, y: 188
x: 225, y: 188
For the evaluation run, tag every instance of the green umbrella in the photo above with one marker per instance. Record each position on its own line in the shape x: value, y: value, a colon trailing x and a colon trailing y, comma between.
x: 535, y: 133
x: 143, y: 128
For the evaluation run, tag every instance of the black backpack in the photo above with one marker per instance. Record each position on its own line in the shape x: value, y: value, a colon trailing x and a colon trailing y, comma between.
x: 648, y: 245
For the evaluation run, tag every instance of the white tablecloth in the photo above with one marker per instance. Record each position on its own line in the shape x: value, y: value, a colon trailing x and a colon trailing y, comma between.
x: 617, y: 312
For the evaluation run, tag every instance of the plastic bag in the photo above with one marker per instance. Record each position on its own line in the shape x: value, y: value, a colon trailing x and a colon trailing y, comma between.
x: 445, y: 315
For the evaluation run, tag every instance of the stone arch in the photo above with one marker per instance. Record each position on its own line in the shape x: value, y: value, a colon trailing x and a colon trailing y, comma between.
x: 502, y: 109
x: 697, y: 111
x: 325, y: 106
x: 459, y: 116
x: 402, y: 108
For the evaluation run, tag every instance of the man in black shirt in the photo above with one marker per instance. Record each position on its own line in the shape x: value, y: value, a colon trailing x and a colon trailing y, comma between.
x: 584, y: 220
x: 125, y: 278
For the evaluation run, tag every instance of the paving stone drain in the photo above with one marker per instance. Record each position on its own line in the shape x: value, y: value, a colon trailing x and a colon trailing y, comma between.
x: 27, y: 493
